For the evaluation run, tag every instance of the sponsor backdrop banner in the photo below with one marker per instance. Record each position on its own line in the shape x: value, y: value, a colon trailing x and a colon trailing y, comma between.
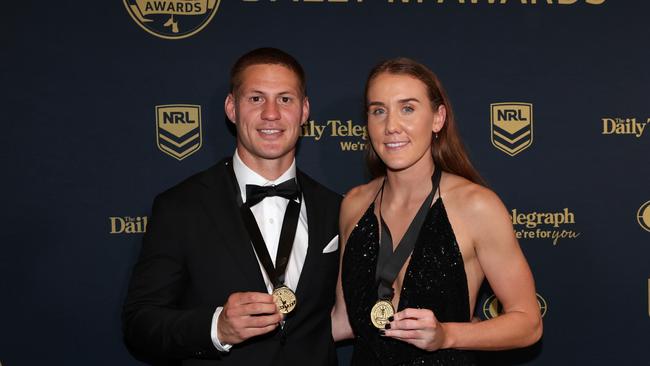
x: 106, y: 105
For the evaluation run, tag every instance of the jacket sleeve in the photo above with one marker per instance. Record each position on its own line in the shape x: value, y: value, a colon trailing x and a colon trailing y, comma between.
x: 154, y: 323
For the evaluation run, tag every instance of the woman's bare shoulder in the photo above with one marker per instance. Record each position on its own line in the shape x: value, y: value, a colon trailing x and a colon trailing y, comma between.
x: 469, y: 197
x: 356, y: 201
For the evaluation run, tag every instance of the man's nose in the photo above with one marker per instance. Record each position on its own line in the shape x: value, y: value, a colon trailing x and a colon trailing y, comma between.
x: 271, y: 112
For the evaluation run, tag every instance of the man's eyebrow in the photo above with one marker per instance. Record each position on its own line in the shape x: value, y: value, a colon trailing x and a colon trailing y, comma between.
x: 381, y: 104
x: 255, y: 91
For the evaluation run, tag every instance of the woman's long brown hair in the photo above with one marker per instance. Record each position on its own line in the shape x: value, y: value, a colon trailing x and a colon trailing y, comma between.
x: 447, y: 149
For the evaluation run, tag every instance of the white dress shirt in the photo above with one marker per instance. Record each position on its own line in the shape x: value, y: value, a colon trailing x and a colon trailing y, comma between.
x: 269, y: 214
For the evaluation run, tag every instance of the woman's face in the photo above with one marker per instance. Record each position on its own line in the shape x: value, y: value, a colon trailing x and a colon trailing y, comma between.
x: 401, y: 121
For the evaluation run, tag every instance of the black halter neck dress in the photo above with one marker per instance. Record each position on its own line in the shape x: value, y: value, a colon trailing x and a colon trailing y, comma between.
x: 435, y: 279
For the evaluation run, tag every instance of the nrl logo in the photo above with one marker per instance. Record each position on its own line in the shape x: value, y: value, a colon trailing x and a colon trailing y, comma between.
x: 511, y: 126
x: 178, y: 129
x: 172, y: 19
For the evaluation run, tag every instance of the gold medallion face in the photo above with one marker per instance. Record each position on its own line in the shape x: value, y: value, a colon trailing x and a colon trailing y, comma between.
x: 380, y: 313
x: 285, y: 299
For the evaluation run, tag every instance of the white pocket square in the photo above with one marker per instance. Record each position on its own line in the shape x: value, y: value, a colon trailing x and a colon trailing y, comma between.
x: 332, y: 246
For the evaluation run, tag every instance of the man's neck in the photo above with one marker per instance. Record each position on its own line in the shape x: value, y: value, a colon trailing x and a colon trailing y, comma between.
x: 270, y: 169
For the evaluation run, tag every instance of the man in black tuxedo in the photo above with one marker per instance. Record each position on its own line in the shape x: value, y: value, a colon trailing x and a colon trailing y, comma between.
x: 200, y: 292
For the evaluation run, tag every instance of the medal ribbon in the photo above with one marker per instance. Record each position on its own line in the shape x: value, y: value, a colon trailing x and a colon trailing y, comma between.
x: 287, y: 235
x: 390, y: 262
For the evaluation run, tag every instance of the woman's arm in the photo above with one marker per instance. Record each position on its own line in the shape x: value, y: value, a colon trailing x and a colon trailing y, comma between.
x: 509, y: 276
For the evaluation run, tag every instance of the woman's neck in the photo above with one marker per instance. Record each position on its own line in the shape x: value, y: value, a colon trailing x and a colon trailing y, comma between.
x: 410, y: 185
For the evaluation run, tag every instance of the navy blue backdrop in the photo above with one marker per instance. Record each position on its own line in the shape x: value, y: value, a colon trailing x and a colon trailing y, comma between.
x: 551, y: 98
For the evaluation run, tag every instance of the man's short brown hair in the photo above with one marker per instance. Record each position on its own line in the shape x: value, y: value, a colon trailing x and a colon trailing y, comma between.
x: 270, y: 56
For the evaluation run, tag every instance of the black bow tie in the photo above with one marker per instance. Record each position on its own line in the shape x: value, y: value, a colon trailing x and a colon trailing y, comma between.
x: 287, y: 189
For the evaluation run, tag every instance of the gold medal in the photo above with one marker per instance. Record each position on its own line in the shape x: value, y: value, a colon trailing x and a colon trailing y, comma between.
x: 381, y: 311
x: 284, y: 299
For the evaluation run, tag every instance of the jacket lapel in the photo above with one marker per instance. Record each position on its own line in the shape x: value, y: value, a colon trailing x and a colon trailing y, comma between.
x: 220, y: 201
x: 315, y: 239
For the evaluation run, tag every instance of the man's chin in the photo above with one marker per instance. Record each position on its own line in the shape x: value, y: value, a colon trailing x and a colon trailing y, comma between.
x: 274, y: 154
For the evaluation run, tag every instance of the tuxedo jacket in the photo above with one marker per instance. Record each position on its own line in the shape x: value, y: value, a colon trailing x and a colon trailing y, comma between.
x: 197, y: 252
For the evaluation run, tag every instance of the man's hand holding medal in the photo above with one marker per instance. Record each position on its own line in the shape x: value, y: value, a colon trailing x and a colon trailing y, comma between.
x: 246, y: 315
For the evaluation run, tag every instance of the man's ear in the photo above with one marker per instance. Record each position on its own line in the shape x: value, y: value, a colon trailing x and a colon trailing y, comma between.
x: 305, y: 110
x: 230, y: 108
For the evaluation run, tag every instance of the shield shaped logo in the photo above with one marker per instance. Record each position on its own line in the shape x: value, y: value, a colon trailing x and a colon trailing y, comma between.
x: 172, y: 19
x: 178, y: 129
x: 511, y: 126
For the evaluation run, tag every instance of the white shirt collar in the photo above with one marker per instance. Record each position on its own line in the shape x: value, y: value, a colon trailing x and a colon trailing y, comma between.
x: 246, y: 175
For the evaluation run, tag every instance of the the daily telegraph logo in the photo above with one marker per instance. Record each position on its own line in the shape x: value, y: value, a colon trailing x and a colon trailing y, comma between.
x: 630, y: 126
x: 178, y: 129
x: 554, y: 226
x: 511, y: 126
x: 127, y: 224
x: 493, y: 308
x: 643, y: 216
x: 351, y: 136
x: 172, y: 19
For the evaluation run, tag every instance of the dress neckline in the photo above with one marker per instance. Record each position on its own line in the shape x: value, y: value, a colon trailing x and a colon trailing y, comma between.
x: 375, y: 222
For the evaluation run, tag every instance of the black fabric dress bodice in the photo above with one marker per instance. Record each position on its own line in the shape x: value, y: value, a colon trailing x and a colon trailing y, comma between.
x: 435, y: 279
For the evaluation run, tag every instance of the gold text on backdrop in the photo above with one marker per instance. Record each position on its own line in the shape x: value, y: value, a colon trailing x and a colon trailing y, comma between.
x: 128, y: 224
x: 352, y: 136
x: 624, y: 126
x: 460, y: 2
x: 544, y: 225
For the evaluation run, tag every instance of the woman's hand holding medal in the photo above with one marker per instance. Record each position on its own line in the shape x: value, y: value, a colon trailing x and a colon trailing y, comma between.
x: 246, y: 315
x: 419, y: 327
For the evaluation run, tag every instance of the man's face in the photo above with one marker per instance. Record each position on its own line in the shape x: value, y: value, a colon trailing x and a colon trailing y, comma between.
x: 268, y: 110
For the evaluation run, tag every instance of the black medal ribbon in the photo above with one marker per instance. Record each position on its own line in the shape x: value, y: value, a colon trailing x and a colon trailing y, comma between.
x: 287, y: 234
x: 390, y: 262
x: 255, y: 194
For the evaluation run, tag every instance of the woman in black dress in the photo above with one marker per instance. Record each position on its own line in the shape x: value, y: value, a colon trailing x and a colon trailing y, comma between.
x: 420, y: 238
